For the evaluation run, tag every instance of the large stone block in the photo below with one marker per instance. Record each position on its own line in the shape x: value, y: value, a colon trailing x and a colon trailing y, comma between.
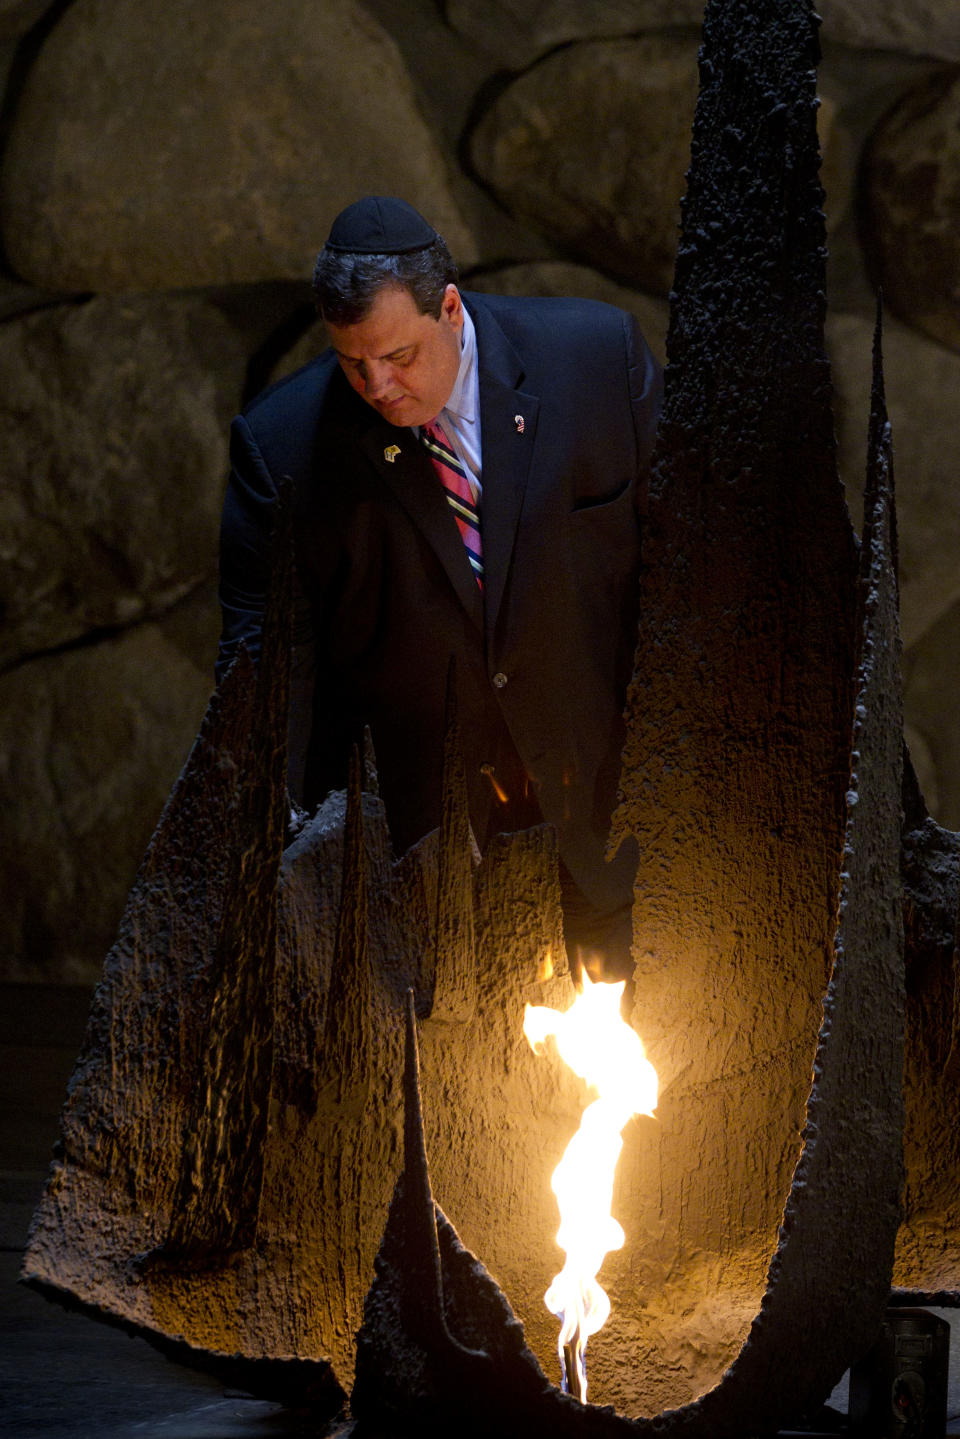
x: 90, y: 743
x: 558, y: 277
x: 113, y: 418
x: 912, y: 197
x: 914, y: 27
x: 932, y: 683
x: 17, y: 16
x: 518, y: 30
x: 923, y: 381
x: 591, y: 145
x: 207, y: 144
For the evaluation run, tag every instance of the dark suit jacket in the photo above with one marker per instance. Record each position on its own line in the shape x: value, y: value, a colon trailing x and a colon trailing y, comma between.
x: 569, y: 395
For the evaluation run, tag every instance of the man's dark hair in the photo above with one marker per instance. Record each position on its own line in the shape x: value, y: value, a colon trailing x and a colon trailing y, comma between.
x: 345, y: 284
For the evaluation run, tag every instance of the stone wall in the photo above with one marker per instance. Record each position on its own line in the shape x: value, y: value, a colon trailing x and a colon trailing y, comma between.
x: 167, y: 174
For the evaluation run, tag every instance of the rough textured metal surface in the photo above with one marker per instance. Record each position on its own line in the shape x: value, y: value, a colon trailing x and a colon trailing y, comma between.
x: 440, y: 1346
x: 217, y: 1199
x: 737, y: 757
x: 159, y: 1177
x: 453, y: 986
x: 840, y: 1221
x: 176, y: 1209
x: 734, y: 779
x: 829, y: 1277
x: 928, y: 1244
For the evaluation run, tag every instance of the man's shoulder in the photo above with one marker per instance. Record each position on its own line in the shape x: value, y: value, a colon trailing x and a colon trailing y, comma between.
x: 554, y: 334
x: 555, y: 340
x: 301, y: 393
x: 537, y: 311
x: 287, y: 422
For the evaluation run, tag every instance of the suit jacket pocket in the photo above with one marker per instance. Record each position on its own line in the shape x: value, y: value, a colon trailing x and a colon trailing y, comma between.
x: 597, y: 502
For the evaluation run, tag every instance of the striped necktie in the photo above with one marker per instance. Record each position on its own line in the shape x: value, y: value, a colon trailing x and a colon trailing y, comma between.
x: 460, y: 493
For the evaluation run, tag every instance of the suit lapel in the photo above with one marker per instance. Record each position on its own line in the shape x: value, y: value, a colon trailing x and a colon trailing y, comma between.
x: 508, y: 425
x: 408, y: 474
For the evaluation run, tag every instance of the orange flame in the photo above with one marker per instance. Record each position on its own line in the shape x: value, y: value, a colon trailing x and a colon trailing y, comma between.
x: 598, y: 1045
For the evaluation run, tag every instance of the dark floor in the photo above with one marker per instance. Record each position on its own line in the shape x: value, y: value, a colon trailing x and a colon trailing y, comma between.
x: 64, y: 1374
x: 60, y: 1373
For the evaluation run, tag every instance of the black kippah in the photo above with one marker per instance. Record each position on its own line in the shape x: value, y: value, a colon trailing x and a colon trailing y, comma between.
x: 380, y: 225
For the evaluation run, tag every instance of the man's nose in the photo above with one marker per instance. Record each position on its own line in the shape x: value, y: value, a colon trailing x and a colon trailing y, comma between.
x: 377, y: 380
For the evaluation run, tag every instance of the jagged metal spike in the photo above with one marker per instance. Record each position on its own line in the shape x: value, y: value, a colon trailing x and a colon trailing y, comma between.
x: 829, y: 1278
x: 879, y: 505
x: 221, y: 1176
x: 425, y: 1295
x: 345, y: 1054
x: 371, y: 780
x: 455, y: 983
x: 173, y: 911
x: 737, y: 320
x: 410, y: 1366
x: 841, y: 1218
x: 421, y: 1211
x: 927, y: 1265
x: 736, y: 757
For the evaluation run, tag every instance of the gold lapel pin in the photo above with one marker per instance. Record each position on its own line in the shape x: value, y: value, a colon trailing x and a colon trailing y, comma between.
x: 391, y: 453
x: 518, y: 421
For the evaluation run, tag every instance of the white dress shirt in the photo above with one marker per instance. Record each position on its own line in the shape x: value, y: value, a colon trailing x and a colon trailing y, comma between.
x: 460, y: 416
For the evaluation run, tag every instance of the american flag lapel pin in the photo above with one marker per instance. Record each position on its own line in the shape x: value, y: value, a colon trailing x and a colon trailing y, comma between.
x: 518, y: 421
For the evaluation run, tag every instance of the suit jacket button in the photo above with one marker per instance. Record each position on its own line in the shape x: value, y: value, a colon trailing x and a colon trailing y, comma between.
x: 499, y: 680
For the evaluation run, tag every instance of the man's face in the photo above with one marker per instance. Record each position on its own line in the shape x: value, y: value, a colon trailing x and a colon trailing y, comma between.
x: 402, y: 363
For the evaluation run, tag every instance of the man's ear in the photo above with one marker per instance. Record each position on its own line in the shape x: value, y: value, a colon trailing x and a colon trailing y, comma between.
x: 452, y: 306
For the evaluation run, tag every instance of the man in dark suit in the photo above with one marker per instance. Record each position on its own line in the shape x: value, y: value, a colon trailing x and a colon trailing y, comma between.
x: 527, y: 575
